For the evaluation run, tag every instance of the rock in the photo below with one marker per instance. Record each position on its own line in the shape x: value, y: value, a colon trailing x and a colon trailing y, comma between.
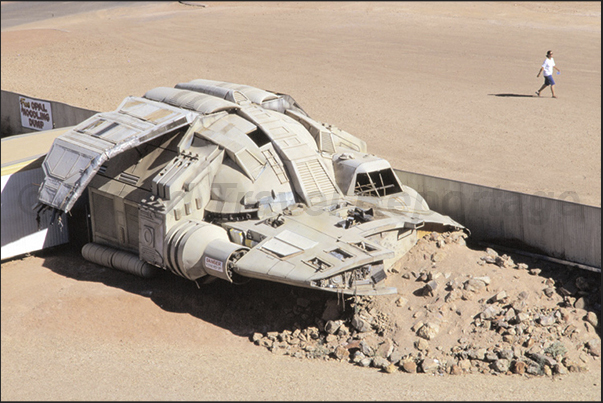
x: 542, y: 359
x: 591, y: 318
x: 380, y: 362
x: 409, y: 366
x: 506, y: 354
x: 547, y: 320
x: 477, y: 354
x: 358, y: 356
x: 474, y: 285
x: 455, y: 370
x: 332, y: 310
x: 534, y: 272
x: 510, y: 314
x: 361, y: 324
x: 385, y: 349
x: 341, y: 353
x: 343, y: 330
x: 465, y: 365
x: 401, y: 302
x: 490, y: 356
x: 421, y: 345
x: 491, y: 252
x: 366, y: 362
x: 428, y: 331
x: 366, y: 349
x: 549, y: 291
x: 522, y: 317
x: 430, y: 365
x: 417, y: 325
x: 547, y: 370
x: 395, y: 356
x: 453, y: 295
x: 594, y: 347
x: 485, y: 279
x: 522, y: 266
x: 332, y: 326
x: 490, y: 312
x: 560, y: 369
x: 534, y: 369
x: 520, y: 305
x: 580, y: 303
x: 499, y: 297
x: 519, y: 367
x: 256, y: 337
x: 390, y: 369
x: 501, y: 365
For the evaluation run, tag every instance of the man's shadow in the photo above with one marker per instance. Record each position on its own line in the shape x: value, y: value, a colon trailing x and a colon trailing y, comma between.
x: 515, y: 95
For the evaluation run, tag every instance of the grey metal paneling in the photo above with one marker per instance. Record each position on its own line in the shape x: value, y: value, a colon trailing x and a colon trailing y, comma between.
x: 559, y: 228
x: 20, y: 231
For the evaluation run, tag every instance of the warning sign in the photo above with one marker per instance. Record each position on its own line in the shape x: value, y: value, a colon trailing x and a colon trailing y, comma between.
x: 213, y: 264
x: 35, y: 114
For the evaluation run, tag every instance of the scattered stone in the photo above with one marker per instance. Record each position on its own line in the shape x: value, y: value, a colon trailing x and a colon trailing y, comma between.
x: 332, y: 310
x: 591, y: 318
x: 385, y: 349
x: 594, y: 347
x: 361, y: 324
x: 519, y: 367
x: 366, y: 362
x: 428, y: 331
x: 401, y: 302
x: 501, y: 365
x: 332, y: 326
x: 256, y: 337
x: 390, y: 369
x: 465, y: 365
x: 534, y: 272
x: 474, y: 285
x: 421, y: 345
x: 341, y: 353
x: 455, y: 370
x: 430, y: 365
x: 560, y: 369
x: 580, y: 303
x: 549, y: 291
x: 409, y: 366
x: 380, y: 362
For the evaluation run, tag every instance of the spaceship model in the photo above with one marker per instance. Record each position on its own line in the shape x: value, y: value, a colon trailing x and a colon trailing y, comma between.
x: 218, y: 180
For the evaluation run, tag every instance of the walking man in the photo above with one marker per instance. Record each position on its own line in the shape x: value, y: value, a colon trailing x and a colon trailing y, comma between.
x: 547, y: 67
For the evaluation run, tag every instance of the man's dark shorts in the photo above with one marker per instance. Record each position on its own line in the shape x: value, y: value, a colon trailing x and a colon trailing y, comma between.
x: 548, y: 80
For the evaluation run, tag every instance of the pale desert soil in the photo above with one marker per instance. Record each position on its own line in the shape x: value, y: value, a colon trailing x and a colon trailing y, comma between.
x: 437, y: 88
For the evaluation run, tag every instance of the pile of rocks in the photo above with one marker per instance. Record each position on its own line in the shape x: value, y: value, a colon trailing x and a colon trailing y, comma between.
x: 457, y: 321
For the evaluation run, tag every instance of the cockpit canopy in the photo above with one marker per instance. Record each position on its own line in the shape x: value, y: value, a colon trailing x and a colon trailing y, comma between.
x: 359, y: 174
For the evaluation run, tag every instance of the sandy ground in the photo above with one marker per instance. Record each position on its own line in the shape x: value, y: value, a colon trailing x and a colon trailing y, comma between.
x: 444, y: 89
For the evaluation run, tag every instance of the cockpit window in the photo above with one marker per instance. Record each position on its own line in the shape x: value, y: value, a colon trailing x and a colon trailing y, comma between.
x: 377, y: 183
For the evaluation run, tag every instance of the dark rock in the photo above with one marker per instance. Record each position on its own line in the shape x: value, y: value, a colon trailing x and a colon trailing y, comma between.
x: 519, y: 367
x: 409, y: 366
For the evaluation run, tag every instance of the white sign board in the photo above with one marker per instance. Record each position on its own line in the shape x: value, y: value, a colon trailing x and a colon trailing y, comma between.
x: 35, y: 114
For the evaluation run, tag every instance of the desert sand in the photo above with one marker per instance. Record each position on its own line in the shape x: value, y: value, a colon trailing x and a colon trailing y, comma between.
x: 444, y: 89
